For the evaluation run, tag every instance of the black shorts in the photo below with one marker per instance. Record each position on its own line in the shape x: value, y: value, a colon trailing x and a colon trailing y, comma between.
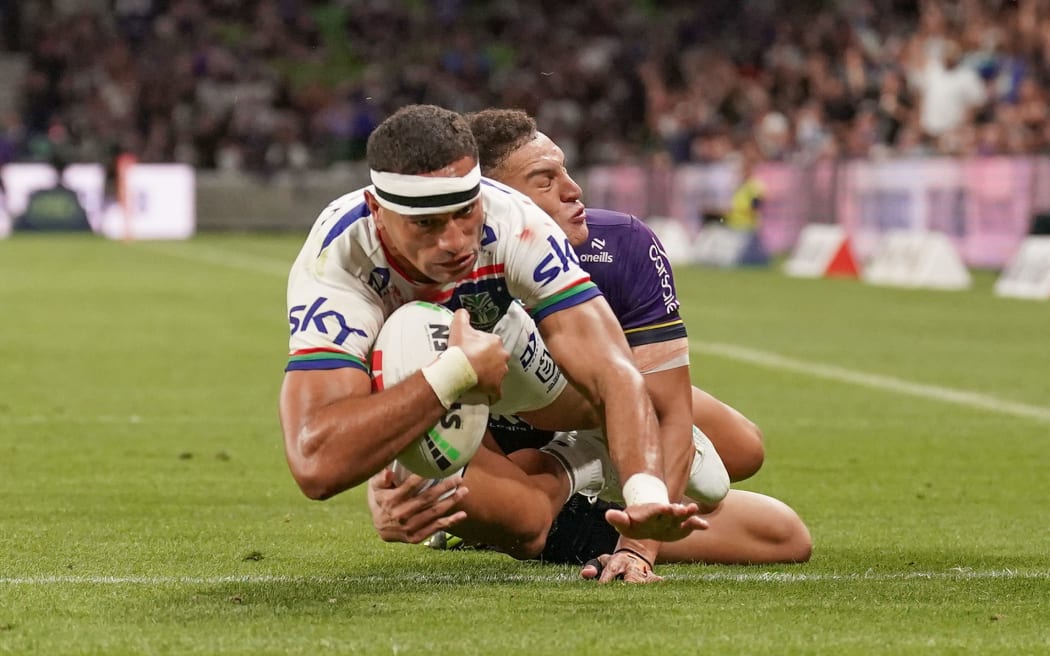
x: 580, y: 533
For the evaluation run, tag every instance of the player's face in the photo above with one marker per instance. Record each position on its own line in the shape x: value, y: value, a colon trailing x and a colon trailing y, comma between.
x: 437, y: 248
x: 537, y: 170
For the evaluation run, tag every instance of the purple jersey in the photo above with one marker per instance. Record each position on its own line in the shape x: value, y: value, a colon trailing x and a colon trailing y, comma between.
x: 629, y: 265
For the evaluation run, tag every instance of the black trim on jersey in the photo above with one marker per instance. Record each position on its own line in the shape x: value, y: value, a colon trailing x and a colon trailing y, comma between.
x: 656, y: 335
x: 436, y: 200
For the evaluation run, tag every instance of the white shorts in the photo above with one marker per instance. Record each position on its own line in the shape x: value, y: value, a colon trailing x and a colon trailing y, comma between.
x: 534, y: 380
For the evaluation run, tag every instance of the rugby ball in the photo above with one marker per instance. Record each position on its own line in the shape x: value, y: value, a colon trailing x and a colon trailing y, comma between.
x: 413, y: 336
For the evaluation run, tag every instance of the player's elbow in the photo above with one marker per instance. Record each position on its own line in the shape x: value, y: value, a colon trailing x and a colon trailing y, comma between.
x: 313, y: 481
x: 313, y: 472
x: 528, y: 537
x: 527, y: 545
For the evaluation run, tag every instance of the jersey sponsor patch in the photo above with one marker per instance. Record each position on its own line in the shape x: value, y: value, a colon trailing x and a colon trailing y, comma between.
x: 331, y: 323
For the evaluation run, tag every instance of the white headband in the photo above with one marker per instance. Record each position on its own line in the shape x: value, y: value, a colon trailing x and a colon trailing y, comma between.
x: 424, y: 194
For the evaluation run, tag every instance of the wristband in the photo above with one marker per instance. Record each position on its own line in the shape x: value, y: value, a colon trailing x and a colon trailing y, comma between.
x: 450, y: 375
x: 644, y: 488
x: 635, y: 554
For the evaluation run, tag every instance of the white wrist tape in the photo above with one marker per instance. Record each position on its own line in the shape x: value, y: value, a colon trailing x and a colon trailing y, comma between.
x: 450, y: 375
x: 644, y: 488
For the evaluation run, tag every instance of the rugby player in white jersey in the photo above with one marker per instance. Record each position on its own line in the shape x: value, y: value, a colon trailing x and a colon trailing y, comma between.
x: 428, y: 229
x: 746, y: 527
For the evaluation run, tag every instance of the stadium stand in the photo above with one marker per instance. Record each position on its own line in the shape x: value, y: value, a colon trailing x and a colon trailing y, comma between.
x: 264, y: 85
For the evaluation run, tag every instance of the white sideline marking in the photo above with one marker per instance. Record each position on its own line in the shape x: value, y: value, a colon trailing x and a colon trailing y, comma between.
x: 954, y: 574
x: 235, y: 259
x: 887, y: 383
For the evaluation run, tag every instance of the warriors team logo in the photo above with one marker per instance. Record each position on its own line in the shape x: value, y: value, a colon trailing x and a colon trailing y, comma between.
x: 484, y: 313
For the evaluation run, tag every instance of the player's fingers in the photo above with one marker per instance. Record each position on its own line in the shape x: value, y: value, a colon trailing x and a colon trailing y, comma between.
x: 695, y: 523
x: 687, y: 508
x: 435, y: 502
x: 415, y: 536
x: 460, y: 322
x: 439, y: 490
x: 592, y: 569
x: 382, y: 480
x: 618, y: 519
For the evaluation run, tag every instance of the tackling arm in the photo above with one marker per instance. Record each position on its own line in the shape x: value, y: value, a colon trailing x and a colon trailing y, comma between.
x: 670, y: 391
x: 587, y: 343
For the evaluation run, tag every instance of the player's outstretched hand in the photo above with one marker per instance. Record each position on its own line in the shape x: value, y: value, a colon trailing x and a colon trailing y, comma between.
x: 486, y: 355
x: 623, y: 566
x: 666, y: 522
x: 407, y: 513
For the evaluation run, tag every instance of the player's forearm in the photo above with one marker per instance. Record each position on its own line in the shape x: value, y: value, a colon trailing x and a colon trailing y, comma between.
x: 676, y: 440
x: 630, y: 423
x: 671, y: 393
x: 343, y: 443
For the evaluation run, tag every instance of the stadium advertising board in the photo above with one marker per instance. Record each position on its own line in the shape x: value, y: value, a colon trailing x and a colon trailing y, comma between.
x: 21, y: 180
x: 982, y: 205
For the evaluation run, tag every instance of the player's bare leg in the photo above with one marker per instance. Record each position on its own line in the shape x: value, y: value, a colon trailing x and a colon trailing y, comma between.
x: 737, y: 439
x: 746, y: 528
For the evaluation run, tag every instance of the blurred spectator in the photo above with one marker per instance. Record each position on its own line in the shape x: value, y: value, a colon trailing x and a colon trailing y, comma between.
x: 265, y: 85
x: 744, y: 213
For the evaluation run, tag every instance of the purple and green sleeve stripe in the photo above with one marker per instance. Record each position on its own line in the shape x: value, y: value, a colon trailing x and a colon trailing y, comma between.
x: 578, y: 292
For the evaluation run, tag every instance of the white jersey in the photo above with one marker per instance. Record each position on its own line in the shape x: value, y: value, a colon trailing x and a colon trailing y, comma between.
x: 343, y: 286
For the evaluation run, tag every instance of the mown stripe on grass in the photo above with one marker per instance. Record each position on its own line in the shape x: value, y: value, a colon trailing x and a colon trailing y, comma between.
x: 957, y: 574
x: 237, y: 259
x: 223, y: 257
x: 876, y: 381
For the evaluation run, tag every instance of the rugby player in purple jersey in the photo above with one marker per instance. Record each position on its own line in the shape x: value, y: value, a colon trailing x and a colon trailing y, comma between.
x: 627, y: 262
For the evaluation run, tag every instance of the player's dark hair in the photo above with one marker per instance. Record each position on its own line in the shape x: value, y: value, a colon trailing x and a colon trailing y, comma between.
x: 419, y: 139
x: 498, y: 133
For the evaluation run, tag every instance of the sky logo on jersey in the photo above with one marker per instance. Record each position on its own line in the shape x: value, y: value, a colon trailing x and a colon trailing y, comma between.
x: 321, y: 321
x: 557, y: 262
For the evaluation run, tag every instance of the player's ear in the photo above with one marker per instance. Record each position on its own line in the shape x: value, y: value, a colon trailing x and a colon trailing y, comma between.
x: 373, y: 207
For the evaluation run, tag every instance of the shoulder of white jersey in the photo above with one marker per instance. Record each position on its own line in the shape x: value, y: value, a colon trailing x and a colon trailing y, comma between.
x: 340, y: 206
x: 499, y: 186
x: 341, y: 242
x: 503, y: 203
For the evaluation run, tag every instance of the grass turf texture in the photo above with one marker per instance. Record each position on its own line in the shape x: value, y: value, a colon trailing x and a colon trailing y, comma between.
x: 145, y: 505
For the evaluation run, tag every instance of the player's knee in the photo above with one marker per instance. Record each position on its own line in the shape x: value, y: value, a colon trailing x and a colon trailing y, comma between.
x: 748, y: 453
x: 788, y: 534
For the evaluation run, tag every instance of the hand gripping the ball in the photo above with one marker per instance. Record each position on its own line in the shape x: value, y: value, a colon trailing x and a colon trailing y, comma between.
x: 413, y: 510
x: 486, y: 355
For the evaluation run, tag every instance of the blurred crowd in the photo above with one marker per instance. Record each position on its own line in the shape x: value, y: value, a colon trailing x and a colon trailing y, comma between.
x: 267, y: 85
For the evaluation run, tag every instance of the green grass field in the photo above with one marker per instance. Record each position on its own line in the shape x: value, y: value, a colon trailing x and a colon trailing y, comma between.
x: 145, y: 506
